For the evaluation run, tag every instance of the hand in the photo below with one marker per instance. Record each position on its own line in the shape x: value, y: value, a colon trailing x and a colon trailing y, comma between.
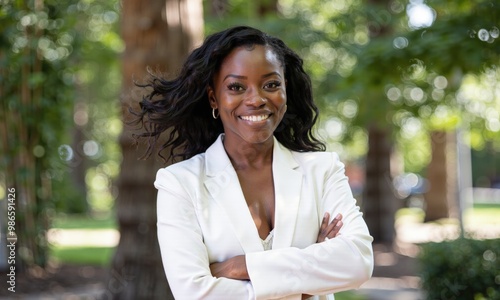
x: 233, y: 268
x: 329, y: 230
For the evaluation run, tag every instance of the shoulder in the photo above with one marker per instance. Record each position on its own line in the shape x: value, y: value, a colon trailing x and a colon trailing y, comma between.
x: 316, y: 159
x: 182, y: 173
x: 319, y: 166
x: 315, y: 163
x: 191, y: 173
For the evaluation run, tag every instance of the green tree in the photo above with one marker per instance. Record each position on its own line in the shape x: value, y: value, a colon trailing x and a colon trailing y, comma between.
x: 58, y: 123
x: 37, y: 41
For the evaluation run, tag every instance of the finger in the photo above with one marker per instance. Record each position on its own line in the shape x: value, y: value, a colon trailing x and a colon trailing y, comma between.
x: 338, y: 217
x: 324, y: 223
x: 338, y: 224
x: 323, y: 228
x: 336, y: 230
x: 334, y: 227
x: 335, y: 220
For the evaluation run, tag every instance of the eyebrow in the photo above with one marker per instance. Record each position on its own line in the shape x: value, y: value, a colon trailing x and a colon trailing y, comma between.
x: 244, y: 77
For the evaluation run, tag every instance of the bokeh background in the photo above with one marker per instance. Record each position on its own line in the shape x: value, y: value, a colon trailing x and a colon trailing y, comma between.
x: 409, y: 96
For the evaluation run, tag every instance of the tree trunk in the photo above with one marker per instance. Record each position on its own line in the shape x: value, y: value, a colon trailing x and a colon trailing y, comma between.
x: 441, y: 173
x: 157, y: 34
x: 379, y: 201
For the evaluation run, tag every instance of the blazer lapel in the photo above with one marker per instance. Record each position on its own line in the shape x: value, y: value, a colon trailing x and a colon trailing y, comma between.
x: 287, y: 190
x: 223, y: 185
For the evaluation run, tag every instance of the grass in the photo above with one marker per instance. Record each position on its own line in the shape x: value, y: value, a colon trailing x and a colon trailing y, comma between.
x: 82, y: 255
x: 96, y: 256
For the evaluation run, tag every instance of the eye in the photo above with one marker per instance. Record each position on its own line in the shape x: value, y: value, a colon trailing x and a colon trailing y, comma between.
x: 272, y: 85
x: 236, y: 87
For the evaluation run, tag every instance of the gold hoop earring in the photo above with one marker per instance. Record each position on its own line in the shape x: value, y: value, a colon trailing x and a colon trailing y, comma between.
x: 213, y: 114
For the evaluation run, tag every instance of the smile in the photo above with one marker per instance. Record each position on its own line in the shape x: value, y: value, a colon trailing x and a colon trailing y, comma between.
x: 255, y: 118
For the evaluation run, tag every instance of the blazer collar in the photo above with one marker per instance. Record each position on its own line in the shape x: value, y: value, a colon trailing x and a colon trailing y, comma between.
x: 223, y: 185
x: 287, y: 191
x: 216, y: 158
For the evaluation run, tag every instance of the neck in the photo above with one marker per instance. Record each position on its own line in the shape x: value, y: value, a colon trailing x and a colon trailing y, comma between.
x: 246, y: 155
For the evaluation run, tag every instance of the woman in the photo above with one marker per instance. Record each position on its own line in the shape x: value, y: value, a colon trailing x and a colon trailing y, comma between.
x: 246, y: 215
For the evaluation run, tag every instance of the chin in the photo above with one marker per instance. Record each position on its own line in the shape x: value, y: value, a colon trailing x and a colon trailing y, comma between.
x: 260, y: 138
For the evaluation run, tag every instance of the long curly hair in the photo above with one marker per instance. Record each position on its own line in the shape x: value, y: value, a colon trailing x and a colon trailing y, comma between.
x: 180, y: 107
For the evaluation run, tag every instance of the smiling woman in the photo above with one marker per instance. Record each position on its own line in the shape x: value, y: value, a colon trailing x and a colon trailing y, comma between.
x: 255, y: 209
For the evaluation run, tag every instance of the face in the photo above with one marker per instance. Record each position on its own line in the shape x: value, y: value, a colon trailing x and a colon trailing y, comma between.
x: 249, y: 93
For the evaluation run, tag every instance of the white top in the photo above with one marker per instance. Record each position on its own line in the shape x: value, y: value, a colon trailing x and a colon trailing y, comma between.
x: 268, y: 242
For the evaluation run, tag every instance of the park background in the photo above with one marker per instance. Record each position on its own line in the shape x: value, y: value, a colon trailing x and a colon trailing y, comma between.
x: 409, y: 98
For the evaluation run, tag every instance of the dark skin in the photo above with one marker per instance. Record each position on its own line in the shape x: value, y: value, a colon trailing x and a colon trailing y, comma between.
x: 260, y: 201
x: 250, y: 96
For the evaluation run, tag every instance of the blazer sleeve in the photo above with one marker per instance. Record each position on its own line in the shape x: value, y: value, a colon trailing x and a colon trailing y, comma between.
x: 341, y: 263
x: 183, y: 252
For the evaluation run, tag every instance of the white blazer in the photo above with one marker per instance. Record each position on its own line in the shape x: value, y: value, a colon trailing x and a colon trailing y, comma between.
x: 203, y: 218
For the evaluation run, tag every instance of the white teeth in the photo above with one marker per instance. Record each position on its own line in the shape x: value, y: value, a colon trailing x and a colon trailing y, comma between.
x: 255, y: 118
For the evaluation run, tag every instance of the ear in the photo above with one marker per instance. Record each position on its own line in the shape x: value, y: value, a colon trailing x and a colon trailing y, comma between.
x: 211, y: 97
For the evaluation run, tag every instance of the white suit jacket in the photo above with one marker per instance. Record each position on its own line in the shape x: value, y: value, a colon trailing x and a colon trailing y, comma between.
x: 203, y: 218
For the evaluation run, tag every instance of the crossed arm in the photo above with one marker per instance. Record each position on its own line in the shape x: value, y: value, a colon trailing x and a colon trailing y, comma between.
x: 236, y: 268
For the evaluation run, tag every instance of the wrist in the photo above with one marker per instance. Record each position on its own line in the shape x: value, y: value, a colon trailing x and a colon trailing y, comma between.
x: 240, y: 268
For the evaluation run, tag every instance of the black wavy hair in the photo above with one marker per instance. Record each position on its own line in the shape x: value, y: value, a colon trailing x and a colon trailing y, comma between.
x: 180, y: 107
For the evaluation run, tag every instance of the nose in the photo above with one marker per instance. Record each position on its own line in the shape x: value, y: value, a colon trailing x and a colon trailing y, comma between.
x: 256, y: 100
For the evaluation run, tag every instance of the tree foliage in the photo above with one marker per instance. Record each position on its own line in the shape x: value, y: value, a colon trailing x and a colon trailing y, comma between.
x: 352, y: 64
x: 36, y: 88
x: 51, y: 59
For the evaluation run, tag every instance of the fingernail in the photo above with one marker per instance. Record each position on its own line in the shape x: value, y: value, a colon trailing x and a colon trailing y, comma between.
x: 338, y: 216
x: 339, y: 224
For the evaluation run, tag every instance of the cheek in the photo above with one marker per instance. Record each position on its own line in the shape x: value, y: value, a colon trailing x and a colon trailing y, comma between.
x: 227, y: 103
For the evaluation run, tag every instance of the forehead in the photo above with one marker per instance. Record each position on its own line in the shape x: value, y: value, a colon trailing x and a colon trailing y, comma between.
x: 249, y: 59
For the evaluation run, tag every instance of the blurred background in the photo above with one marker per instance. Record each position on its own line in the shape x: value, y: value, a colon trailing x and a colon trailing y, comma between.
x: 409, y: 96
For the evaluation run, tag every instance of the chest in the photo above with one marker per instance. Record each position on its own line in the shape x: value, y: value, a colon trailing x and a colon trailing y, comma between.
x: 229, y: 227
x: 258, y: 191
